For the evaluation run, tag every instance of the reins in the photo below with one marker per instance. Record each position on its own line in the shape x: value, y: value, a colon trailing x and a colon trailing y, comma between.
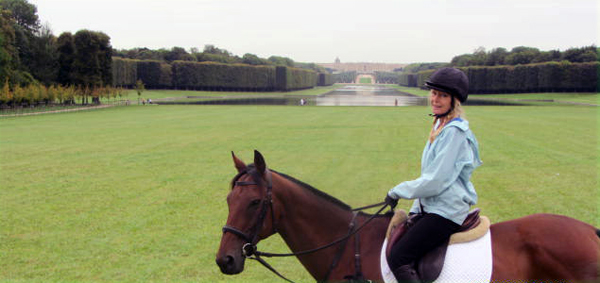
x: 256, y: 254
x: 259, y: 253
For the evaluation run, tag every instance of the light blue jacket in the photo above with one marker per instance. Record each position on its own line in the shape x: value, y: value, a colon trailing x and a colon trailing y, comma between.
x: 444, y: 187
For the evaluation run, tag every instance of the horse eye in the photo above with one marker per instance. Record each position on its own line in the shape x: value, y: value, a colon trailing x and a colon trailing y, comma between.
x: 255, y: 202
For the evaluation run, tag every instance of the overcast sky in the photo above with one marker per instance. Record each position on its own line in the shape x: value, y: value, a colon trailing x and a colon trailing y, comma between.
x: 390, y: 31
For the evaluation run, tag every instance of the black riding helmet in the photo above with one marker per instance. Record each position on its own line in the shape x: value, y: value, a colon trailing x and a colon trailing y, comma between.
x: 450, y: 80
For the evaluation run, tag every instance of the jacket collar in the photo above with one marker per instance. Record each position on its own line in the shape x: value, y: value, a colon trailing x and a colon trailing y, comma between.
x: 460, y: 123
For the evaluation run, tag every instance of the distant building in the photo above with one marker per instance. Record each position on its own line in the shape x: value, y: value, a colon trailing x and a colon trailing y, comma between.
x: 339, y: 67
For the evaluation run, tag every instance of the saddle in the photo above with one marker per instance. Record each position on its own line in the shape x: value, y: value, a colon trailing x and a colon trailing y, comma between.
x: 430, y: 266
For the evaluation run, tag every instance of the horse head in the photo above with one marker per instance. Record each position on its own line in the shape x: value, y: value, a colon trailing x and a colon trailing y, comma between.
x: 250, y: 214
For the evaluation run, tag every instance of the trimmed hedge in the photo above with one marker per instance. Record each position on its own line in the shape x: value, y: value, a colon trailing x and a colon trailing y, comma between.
x: 387, y: 77
x: 214, y: 76
x: 544, y: 77
x: 345, y: 77
x: 293, y: 78
x: 124, y: 72
x: 325, y: 79
x: 217, y: 76
x: 166, y: 76
x: 408, y: 79
x: 149, y: 72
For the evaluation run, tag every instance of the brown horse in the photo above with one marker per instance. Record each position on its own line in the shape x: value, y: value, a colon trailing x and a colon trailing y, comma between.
x: 536, y: 248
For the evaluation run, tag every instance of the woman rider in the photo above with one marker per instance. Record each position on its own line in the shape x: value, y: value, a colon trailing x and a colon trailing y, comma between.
x: 443, y: 193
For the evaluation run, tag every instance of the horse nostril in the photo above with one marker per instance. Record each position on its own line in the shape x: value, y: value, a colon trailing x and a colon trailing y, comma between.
x: 226, y: 264
x: 229, y: 261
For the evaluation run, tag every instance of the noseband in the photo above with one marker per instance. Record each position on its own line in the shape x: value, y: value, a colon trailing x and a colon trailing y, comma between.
x: 251, y: 238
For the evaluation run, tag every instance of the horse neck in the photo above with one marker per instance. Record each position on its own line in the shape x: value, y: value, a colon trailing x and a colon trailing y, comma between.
x: 307, y: 221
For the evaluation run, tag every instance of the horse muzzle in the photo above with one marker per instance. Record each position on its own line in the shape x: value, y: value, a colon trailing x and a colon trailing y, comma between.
x: 230, y: 264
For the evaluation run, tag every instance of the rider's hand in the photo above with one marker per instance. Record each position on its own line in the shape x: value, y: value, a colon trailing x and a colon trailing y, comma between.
x: 392, y: 202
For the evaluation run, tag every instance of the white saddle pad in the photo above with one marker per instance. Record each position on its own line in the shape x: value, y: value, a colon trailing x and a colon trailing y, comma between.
x: 469, y: 262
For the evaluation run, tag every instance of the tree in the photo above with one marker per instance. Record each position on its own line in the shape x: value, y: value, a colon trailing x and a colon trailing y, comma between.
x: 24, y: 13
x: 44, y: 64
x: 281, y: 61
x: 496, y: 56
x: 139, y: 88
x: 8, y: 54
x: 211, y: 49
x: 66, y: 57
x: 178, y: 53
x: 479, y: 56
x: 105, y: 58
x: 522, y: 55
x: 86, y: 66
x: 579, y: 55
x: 462, y: 60
x: 91, y: 62
x: 25, y: 24
x: 252, y: 59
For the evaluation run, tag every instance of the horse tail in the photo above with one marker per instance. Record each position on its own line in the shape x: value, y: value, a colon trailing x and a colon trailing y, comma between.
x: 598, y: 232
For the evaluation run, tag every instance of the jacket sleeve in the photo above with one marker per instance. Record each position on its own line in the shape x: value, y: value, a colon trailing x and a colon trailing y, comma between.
x: 438, y: 174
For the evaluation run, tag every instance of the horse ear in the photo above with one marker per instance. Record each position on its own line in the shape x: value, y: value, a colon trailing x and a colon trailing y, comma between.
x: 239, y: 165
x: 259, y: 162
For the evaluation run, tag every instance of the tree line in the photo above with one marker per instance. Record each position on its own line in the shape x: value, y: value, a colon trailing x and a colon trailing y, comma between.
x: 31, y: 55
x: 211, y: 53
x: 561, y: 76
x: 525, y: 55
x: 522, y: 69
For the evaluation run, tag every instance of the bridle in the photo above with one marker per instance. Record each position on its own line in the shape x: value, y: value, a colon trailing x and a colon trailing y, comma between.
x: 251, y: 238
x: 249, y: 249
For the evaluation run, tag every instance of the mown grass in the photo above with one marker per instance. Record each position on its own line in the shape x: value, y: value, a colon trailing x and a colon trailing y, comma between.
x: 137, y: 194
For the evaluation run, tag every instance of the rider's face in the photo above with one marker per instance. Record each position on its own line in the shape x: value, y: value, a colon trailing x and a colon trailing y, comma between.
x: 440, y: 102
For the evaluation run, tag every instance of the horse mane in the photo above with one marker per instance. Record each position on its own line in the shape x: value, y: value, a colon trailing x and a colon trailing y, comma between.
x: 315, y: 191
x: 252, y: 171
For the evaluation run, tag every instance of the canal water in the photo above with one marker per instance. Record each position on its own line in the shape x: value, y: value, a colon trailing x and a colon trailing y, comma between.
x: 348, y: 95
x: 365, y: 95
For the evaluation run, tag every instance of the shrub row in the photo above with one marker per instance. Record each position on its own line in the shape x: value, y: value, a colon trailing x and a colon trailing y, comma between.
x: 345, y: 77
x: 218, y: 76
x: 294, y: 78
x: 214, y: 76
x: 543, y: 77
x: 325, y: 79
x: 386, y: 77
x: 36, y: 94
x: 124, y: 72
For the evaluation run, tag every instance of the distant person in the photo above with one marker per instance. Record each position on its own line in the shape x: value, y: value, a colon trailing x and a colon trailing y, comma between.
x: 149, y: 100
x: 443, y: 193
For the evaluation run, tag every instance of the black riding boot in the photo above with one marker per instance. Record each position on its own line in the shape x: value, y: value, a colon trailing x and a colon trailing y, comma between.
x: 406, y: 274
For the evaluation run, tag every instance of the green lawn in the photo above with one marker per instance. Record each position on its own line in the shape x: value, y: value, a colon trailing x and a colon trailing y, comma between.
x: 137, y: 194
